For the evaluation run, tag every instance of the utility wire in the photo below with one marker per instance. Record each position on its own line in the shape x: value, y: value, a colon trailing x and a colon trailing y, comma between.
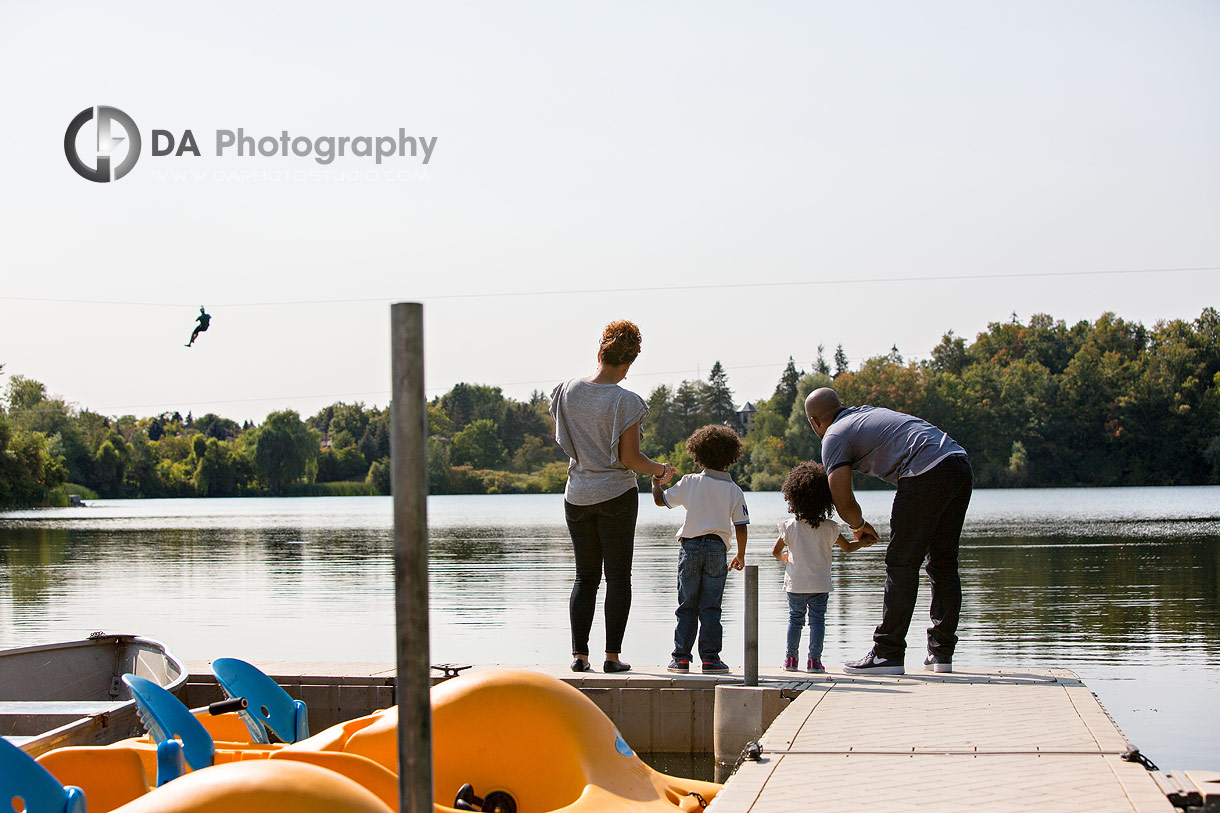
x: 638, y: 289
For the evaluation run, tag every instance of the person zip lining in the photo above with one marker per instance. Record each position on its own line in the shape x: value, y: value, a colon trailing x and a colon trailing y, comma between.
x: 204, y: 319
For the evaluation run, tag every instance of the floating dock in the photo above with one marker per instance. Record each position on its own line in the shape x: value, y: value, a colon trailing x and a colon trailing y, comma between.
x: 971, y: 740
x: 993, y: 740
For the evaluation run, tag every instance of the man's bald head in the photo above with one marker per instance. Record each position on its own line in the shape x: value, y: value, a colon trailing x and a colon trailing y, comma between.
x: 821, y: 407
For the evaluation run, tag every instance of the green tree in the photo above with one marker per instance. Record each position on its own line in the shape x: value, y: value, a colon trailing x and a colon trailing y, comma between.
x: 378, y: 478
x: 478, y: 445
x: 688, y: 407
x: 536, y: 453
x: 718, y: 398
x: 214, y: 426
x: 24, y: 393
x: 785, y: 390
x: 841, y: 363
x: 800, y: 442
x: 341, y: 464
x: 219, y: 472
x: 820, y: 367
x: 439, y: 466
x: 110, y: 466
x: 285, y: 451
x: 950, y: 355
x: 663, y: 428
x: 467, y: 403
x: 28, y: 467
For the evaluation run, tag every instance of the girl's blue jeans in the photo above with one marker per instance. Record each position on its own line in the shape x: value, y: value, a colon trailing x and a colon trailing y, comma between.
x: 814, y: 606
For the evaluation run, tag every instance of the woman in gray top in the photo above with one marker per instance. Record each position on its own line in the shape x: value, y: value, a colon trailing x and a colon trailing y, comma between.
x: 597, y: 423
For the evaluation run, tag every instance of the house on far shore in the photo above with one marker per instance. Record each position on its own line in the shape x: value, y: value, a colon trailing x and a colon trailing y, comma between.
x: 745, y: 419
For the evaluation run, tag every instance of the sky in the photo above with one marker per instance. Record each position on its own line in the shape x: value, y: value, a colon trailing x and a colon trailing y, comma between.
x: 745, y: 181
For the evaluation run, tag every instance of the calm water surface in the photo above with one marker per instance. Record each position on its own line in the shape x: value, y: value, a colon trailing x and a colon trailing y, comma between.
x: 1121, y: 586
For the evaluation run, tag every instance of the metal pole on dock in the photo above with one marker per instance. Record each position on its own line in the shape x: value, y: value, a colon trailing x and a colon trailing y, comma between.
x: 751, y: 664
x: 409, y: 485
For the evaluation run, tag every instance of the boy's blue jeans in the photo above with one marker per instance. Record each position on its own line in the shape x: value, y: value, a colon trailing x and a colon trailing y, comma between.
x: 813, y: 605
x: 703, y: 566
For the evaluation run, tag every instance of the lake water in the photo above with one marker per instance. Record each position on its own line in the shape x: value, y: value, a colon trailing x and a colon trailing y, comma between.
x: 1121, y: 586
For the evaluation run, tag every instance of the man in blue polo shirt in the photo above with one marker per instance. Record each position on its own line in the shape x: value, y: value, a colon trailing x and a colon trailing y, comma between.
x: 934, y: 480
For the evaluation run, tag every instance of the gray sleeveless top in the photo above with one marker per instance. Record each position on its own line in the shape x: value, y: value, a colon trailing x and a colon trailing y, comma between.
x: 589, y: 421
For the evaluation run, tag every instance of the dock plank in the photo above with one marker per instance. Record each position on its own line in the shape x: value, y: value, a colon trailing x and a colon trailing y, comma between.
x: 979, y: 740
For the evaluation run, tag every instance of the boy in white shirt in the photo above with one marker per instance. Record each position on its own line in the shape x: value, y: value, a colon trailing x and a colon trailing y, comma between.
x: 809, y: 537
x: 715, y: 511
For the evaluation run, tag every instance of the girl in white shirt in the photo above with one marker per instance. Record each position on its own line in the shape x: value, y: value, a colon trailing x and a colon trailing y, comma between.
x: 804, y: 545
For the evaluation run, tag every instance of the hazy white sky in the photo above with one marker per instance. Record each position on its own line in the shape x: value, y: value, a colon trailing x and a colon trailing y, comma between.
x: 625, y: 145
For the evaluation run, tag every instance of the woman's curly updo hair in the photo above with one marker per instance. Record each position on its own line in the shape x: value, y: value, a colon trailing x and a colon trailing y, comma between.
x: 620, y: 343
x: 808, y: 493
x: 714, y: 446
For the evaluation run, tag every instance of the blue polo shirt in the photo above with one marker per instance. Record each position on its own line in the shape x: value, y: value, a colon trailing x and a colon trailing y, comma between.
x: 885, y: 444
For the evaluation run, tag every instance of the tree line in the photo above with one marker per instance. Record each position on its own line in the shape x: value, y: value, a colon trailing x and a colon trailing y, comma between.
x: 1042, y: 403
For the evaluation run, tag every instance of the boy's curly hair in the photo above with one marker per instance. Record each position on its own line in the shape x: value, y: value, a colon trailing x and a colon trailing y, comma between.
x: 807, y: 491
x: 714, y: 446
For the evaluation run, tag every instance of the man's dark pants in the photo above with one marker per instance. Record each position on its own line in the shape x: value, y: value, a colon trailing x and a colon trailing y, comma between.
x: 925, y: 526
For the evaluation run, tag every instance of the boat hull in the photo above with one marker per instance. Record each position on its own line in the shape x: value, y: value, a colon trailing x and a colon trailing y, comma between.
x: 55, y: 695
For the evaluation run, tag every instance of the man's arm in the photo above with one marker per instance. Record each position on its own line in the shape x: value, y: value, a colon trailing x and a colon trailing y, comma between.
x: 844, y: 497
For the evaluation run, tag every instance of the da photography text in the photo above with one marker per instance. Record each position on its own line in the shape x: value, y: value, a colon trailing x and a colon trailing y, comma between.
x: 118, y: 145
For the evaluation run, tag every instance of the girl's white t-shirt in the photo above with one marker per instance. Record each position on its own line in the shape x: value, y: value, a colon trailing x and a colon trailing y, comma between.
x: 809, y: 548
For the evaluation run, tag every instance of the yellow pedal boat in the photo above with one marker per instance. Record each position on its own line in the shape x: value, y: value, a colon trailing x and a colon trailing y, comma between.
x: 497, y: 735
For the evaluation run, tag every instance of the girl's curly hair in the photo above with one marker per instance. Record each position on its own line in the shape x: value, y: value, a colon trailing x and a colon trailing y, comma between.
x: 714, y: 446
x: 807, y: 491
x: 620, y: 343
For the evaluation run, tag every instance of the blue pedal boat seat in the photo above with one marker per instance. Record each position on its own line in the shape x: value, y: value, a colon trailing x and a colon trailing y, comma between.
x: 268, y: 705
x: 181, y: 739
x: 26, y: 785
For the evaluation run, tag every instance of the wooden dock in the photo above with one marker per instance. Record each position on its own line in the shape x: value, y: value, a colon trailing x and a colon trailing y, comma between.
x: 971, y: 740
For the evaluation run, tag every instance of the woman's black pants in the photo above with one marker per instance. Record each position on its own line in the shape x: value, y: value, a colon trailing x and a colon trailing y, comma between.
x: 603, y: 537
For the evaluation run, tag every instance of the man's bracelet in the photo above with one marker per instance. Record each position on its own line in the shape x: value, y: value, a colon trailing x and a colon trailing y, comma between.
x: 858, y: 527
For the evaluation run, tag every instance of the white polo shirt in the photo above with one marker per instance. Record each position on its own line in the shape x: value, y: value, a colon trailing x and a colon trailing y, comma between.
x: 714, y: 505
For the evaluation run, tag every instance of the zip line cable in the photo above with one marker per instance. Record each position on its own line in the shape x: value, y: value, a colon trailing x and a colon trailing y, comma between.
x: 907, y: 357
x: 638, y: 289
x: 436, y: 390
x: 484, y: 295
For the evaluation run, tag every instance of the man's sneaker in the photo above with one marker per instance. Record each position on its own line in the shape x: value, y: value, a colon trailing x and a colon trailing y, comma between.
x: 814, y: 665
x: 790, y: 664
x: 715, y: 667
x: 938, y: 663
x: 870, y: 664
x: 679, y: 665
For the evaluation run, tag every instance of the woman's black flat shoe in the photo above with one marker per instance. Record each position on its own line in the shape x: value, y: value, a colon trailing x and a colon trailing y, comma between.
x: 615, y: 666
x: 581, y: 665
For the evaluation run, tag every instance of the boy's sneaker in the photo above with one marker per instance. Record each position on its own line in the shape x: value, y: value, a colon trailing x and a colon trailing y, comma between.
x: 790, y: 664
x: 715, y: 667
x: 814, y: 665
x: 870, y: 664
x: 938, y: 663
x: 679, y: 665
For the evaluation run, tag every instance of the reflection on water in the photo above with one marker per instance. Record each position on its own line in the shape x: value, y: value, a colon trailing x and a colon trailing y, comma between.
x: 1120, y: 585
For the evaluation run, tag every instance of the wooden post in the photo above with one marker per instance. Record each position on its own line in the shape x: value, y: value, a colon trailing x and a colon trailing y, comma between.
x: 751, y: 664
x: 409, y: 484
